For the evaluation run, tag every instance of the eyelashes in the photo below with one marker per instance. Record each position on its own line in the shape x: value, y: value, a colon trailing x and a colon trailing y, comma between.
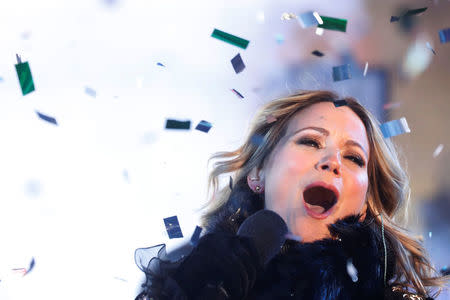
x: 316, y: 144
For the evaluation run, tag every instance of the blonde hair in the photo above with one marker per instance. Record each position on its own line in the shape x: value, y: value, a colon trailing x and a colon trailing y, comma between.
x: 388, y: 192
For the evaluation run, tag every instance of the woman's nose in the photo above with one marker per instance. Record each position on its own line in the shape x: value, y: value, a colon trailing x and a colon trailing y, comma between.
x: 331, y: 163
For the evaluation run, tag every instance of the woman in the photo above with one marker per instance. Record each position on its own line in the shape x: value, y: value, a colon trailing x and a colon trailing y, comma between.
x: 338, y: 185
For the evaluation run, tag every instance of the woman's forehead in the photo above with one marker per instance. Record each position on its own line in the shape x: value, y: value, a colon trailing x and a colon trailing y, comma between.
x: 340, y: 121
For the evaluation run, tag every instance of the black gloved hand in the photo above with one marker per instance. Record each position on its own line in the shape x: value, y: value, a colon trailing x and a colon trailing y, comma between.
x: 220, y: 260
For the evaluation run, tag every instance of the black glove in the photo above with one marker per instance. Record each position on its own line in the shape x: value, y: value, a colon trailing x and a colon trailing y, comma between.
x: 221, y: 262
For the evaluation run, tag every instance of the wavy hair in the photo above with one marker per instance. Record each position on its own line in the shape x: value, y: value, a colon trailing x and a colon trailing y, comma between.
x: 387, y: 196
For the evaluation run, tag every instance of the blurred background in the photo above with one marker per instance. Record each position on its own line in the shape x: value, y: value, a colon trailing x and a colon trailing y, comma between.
x: 79, y: 197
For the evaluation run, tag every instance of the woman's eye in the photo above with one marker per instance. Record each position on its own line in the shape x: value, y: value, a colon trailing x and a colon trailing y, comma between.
x: 356, y: 159
x: 310, y: 142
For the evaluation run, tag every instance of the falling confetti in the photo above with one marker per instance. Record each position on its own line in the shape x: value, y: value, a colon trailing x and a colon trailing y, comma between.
x: 237, y: 93
x: 333, y: 24
x: 175, y: 124
x: 430, y: 234
x: 438, y: 150
x: 238, y: 64
x: 319, y: 31
x: 317, y: 53
x: 196, y: 235
x: 89, y: 91
x: 309, y: 19
x: 257, y: 139
x: 279, y: 38
x: 409, y: 13
x: 444, y: 35
x: 231, y: 183
x: 160, y: 64
x: 365, y: 69
x: 173, y: 227
x: 288, y: 16
x: 25, y: 77
x: 351, y: 270
x: 395, y: 127
x: 203, y: 126
x: 46, y: 118
x: 339, y: 103
x: 341, y: 72
x: 431, y: 48
x: 229, y: 38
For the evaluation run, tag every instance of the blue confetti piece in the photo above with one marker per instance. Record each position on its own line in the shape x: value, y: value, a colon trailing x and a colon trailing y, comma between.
x: 257, y: 140
x: 1, y: 79
x: 204, y: 126
x: 32, y: 263
x: 395, y: 127
x: 444, y: 35
x: 238, y: 64
x: 341, y: 72
x: 308, y: 19
x: 91, y: 92
x: 47, y: 118
x: 279, y: 38
x: 237, y: 93
x: 196, y: 236
x: 173, y: 227
x: 160, y: 64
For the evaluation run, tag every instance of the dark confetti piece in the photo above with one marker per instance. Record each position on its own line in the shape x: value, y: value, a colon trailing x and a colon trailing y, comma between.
x: 203, y: 126
x: 238, y: 63
x: 175, y: 124
x: 47, y: 118
x: 231, y: 183
x: 160, y: 64
x: 173, y: 227
x: 196, y: 235
x: 237, y: 93
x: 317, y: 53
x: 339, y: 103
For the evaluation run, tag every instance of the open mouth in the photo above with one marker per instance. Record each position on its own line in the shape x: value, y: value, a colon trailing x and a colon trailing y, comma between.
x: 319, y: 200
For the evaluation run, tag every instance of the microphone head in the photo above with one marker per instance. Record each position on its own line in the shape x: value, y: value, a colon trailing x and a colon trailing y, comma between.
x: 267, y: 229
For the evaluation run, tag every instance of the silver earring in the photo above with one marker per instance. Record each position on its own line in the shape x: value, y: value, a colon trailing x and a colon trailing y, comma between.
x: 258, y: 188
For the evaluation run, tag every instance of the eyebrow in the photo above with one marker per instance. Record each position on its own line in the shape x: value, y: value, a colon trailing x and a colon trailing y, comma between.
x: 327, y: 133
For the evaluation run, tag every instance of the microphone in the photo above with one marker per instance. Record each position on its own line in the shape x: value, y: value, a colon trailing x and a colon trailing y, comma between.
x: 226, y: 267
x: 267, y: 230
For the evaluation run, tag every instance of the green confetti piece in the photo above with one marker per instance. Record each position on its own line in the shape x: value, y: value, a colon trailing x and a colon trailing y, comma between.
x: 25, y: 78
x: 333, y: 24
x: 229, y: 38
x: 176, y: 124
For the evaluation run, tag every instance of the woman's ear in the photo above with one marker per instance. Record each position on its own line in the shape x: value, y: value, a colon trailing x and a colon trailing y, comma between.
x: 255, y: 180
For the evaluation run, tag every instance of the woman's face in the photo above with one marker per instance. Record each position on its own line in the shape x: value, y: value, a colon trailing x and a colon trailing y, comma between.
x: 317, y: 173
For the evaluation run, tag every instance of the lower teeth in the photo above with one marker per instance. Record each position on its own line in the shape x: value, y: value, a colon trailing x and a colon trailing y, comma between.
x: 316, y: 208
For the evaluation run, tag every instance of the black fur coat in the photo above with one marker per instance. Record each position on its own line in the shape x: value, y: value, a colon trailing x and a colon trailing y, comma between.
x: 350, y: 265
